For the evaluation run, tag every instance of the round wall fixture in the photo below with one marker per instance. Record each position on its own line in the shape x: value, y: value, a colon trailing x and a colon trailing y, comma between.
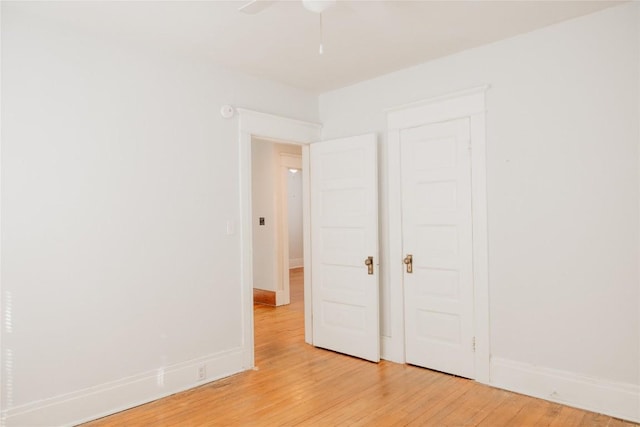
x: 226, y: 111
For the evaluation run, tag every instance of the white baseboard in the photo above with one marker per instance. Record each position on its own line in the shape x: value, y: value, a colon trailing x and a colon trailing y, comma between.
x: 296, y: 263
x: 106, y: 399
x: 390, y: 350
x: 620, y: 400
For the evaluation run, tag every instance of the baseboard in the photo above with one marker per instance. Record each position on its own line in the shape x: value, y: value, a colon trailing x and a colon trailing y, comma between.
x: 106, y: 399
x: 280, y: 298
x: 296, y: 263
x: 389, y: 350
x: 620, y: 400
x: 260, y: 296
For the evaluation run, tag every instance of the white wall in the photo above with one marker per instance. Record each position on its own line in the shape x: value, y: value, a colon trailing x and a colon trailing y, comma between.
x: 118, y: 178
x: 263, y: 204
x: 294, y: 206
x: 265, y: 167
x: 562, y: 158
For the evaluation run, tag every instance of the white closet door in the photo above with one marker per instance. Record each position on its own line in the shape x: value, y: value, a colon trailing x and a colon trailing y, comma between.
x: 437, y: 233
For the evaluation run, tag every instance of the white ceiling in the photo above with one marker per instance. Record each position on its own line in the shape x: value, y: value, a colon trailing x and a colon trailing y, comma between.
x: 362, y: 39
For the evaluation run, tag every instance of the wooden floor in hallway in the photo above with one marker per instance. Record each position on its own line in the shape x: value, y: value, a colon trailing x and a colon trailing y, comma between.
x: 297, y: 384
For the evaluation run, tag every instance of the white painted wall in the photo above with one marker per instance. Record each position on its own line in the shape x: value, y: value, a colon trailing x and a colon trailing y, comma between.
x: 294, y: 207
x: 562, y: 158
x: 118, y: 179
x: 265, y: 166
x: 263, y: 204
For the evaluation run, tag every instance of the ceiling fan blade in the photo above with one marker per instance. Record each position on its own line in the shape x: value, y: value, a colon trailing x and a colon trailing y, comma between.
x: 255, y: 6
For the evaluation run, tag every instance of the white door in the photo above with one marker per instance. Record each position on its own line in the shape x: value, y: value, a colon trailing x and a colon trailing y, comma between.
x: 437, y: 233
x: 344, y: 234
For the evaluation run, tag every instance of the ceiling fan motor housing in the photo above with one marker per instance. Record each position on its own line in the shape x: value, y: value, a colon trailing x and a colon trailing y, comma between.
x: 318, y: 6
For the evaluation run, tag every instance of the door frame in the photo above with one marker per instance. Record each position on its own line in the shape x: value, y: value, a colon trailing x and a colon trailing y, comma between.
x: 467, y: 103
x: 278, y: 129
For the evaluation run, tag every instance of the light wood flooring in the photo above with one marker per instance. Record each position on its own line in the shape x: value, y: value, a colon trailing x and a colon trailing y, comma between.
x: 296, y: 384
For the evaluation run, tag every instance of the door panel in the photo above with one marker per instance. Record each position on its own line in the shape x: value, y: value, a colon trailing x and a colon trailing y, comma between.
x: 344, y: 232
x: 436, y: 206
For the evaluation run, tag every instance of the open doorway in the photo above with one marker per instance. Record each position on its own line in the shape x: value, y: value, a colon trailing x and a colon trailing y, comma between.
x: 277, y: 246
x: 277, y: 218
x: 253, y: 124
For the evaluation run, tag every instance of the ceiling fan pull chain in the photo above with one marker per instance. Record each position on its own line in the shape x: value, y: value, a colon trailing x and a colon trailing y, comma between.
x: 321, y: 51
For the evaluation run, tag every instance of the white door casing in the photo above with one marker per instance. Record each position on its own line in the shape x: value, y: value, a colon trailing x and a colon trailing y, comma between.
x: 437, y: 232
x: 277, y: 129
x: 344, y: 233
x: 469, y: 104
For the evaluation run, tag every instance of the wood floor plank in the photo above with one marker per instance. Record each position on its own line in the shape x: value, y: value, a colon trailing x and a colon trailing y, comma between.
x: 592, y: 419
x: 568, y: 417
x: 531, y: 413
x: 439, y: 403
x: 296, y: 384
x: 478, y: 404
x: 507, y: 411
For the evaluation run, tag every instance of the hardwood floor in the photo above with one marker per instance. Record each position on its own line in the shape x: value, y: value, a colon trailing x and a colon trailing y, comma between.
x: 296, y: 384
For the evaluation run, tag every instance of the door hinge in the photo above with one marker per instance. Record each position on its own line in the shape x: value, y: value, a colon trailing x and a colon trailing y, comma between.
x: 473, y: 344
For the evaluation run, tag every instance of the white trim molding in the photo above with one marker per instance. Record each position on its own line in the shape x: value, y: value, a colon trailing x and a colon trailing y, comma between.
x: 389, y: 350
x: 306, y: 242
x: 106, y: 399
x: 450, y: 106
x: 568, y: 388
x: 296, y: 263
x: 467, y: 103
x: 276, y: 129
x: 393, y: 345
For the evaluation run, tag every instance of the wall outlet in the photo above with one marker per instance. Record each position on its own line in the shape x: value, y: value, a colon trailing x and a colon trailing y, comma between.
x: 202, y: 372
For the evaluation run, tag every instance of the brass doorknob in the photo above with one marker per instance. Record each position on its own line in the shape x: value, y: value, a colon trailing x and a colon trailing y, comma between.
x: 369, y: 263
x: 408, y: 261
